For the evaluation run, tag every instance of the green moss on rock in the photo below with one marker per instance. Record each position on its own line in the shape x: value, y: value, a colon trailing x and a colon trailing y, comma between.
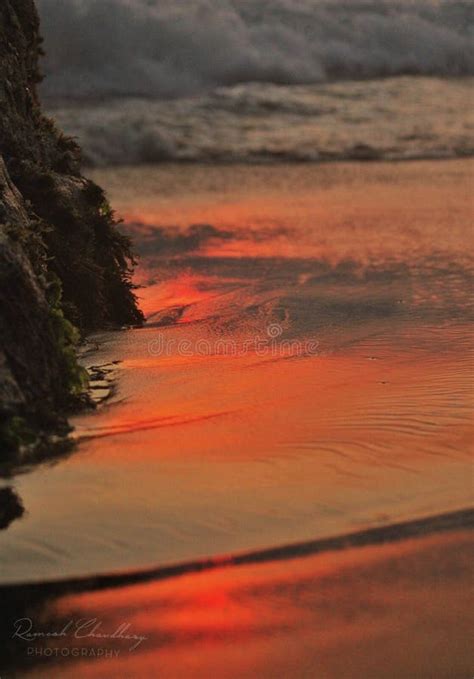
x: 64, y: 266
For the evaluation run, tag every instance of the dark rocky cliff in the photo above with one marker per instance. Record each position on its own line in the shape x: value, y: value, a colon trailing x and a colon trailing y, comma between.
x: 63, y: 264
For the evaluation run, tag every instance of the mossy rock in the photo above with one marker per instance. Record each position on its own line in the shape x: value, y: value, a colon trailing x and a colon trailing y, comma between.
x: 65, y: 269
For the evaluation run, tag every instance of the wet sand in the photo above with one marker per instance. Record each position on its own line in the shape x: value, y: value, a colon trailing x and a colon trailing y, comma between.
x: 305, y: 372
x: 392, y: 610
x: 325, y: 381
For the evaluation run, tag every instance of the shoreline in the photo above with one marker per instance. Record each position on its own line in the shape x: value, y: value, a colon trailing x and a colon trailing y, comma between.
x: 347, y: 612
x: 213, y: 425
x: 462, y: 519
x: 284, y: 160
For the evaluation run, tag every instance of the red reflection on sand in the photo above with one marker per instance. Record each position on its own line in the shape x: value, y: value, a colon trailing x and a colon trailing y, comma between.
x: 353, y: 613
x: 179, y: 291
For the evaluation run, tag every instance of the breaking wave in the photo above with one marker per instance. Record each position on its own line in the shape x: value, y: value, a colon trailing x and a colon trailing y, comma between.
x: 392, y: 119
x: 164, y: 48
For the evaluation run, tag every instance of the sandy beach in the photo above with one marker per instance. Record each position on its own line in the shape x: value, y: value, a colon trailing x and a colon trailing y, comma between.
x: 398, y: 608
x: 236, y: 339
x: 324, y: 381
x: 304, y: 373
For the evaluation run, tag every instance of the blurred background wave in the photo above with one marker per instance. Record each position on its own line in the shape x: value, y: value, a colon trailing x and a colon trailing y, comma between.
x: 242, y: 79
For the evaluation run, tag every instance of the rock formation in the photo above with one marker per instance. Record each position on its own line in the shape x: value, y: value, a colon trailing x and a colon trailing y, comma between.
x: 64, y: 267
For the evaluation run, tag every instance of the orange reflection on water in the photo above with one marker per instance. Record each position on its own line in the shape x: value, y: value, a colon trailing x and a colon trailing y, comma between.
x: 332, y: 211
x: 391, y: 608
x: 179, y: 291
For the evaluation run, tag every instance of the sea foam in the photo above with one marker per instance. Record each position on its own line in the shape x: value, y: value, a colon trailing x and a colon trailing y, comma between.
x: 167, y: 48
x: 393, y: 118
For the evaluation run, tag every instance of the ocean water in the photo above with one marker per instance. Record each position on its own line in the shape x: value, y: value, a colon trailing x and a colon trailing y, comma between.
x: 305, y: 369
x: 251, y: 80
